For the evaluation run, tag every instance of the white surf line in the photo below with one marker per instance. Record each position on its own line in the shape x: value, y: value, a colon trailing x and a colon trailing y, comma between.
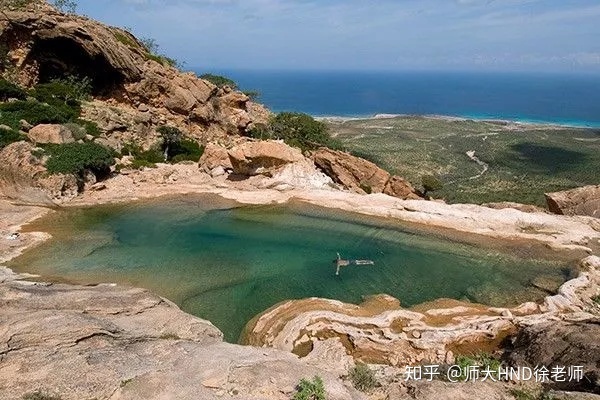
x: 485, y: 166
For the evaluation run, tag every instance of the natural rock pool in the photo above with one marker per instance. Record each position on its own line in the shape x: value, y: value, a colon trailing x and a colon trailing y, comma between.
x: 227, y: 263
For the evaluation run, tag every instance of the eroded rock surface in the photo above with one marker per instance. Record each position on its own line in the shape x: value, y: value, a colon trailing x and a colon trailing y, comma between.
x: 562, y: 344
x: 109, y: 342
x: 50, y: 133
x: 360, y: 175
x: 381, y: 330
x: 262, y: 157
x: 580, y: 201
x: 24, y: 176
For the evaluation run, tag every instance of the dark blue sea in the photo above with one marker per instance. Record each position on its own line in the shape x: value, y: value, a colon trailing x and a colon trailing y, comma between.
x: 526, y: 97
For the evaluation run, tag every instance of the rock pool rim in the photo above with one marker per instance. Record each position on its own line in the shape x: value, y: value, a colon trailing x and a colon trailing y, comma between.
x: 219, y: 203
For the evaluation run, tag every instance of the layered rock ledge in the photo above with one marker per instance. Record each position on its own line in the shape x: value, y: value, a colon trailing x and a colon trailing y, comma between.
x: 381, y: 331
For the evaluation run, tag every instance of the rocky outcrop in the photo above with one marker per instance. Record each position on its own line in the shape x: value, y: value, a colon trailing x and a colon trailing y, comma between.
x: 580, y: 201
x: 50, y: 133
x: 130, y: 344
x: 528, y: 208
x: 43, y: 43
x: 215, y: 160
x: 360, y: 175
x: 562, y: 344
x: 382, y: 331
x: 262, y: 157
x: 23, y: 176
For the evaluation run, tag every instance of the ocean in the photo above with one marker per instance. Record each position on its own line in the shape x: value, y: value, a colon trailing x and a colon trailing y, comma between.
x: 565, y: 99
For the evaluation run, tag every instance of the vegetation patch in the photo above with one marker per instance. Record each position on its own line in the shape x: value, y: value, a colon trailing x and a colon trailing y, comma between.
x: 8, y: 136
x: 484, y: 361
x: 524, y: 161
x: 363, y: 377
x: 9, y: 90
x: 298, y: 130
x: 219, y: 81
x: 75, y: 158
x: 310, y: 390
x: 530, y: 394
x: 176, y: 148
x: 39, y: 395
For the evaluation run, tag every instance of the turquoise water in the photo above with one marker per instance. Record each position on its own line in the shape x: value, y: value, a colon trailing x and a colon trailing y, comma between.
x: 566, y: 99
x: 227, y: 264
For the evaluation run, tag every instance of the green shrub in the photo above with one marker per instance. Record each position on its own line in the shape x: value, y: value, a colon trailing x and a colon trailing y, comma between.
x: 8, y: 136
x: 430, y: 184
x: 298, y: 130
x: 38, y: 395
x: 310, y: 390
x: 35, y: 113
x: 150, y: 156
x: 76, y: 130
x: 9, y: 90
x: 15, y: 4
x: 91, y: 128
x: 186, y: 150
x: 70, y: 90
x: 74, y: 158
x: 529, y: 394
x: 219, y: 80
x: 362, y: 377
x: 596, y: 299
x: 125, y: 38
x: 140, y: 163
x: 485, y: 361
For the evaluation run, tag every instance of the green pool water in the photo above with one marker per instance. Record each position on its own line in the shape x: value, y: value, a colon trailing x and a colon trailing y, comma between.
x: 227, y: 263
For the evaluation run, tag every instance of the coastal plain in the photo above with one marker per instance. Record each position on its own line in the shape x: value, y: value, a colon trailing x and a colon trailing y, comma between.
x: 518, y: 162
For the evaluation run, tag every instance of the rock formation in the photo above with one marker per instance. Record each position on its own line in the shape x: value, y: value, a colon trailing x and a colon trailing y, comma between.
x: 580, y: 201
x: 562, y: 344
x: 50, y: 133
x: 360, y: 175
x: 24, y: 176
x: 381, y: 331
x: 109, y: 342
x: 43, y: 44
x: 262, y: 157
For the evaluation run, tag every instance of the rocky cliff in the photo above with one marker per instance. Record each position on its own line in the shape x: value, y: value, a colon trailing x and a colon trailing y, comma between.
x: 580, y: 201
x: 42, y: 44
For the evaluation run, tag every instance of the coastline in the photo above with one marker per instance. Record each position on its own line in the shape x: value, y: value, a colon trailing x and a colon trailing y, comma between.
x: 525, y: 122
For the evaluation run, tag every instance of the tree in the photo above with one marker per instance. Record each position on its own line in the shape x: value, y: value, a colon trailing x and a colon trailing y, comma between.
x: 296, y: 129
x: 150, y: 45
x: 66, y: 6
x: 171, y: 137
x: 430, y: 184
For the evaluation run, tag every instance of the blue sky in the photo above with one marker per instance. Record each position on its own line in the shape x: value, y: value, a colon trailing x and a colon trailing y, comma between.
x: 508, y: 35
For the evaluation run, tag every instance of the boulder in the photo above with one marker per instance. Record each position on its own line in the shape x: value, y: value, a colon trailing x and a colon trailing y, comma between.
x: 400, y: 187
x: 580, y: 201
x: 262, y: 157
x: 215, y: 157
x: 50, y: 133
x: 561, y: 343
x: 23, y: 176
x: 360, y: 175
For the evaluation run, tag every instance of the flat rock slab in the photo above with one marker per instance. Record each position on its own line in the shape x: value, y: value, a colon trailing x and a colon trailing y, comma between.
x: 110, y: 342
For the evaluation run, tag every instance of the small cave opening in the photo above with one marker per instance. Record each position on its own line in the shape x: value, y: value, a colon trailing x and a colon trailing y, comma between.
x: 60, y: 57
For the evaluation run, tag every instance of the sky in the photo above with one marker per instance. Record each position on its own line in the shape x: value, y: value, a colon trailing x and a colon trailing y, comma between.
x: 505, y: 35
